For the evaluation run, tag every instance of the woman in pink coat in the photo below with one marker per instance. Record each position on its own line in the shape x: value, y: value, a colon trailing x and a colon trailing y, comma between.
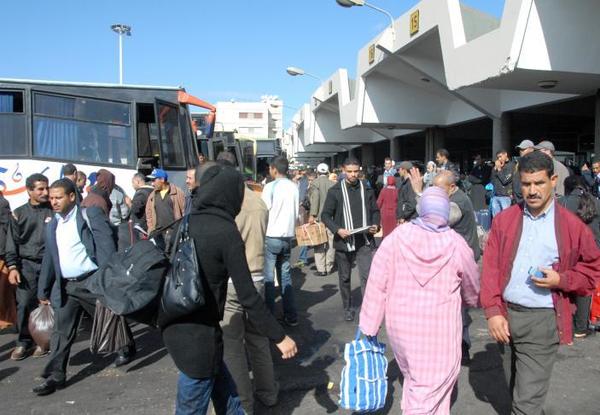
x: 419, y: 277
x: 387, y: 201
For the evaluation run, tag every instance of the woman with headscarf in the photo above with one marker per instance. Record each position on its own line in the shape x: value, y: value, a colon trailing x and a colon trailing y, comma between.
x: 99, y: 193
x: 195, y: 342
x: 417, y: 279
x: 387, y: 202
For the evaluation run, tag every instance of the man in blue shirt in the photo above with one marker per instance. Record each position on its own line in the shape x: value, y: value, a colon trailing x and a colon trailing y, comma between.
x: 75, y: 248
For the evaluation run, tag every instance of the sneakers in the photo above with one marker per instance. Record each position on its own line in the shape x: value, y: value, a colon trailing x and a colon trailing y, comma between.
x: 19, y: 353
x: 349, y: 315
x: 320, y: 274
x: 39, y: 352
x: 582, y: 334
x: 292, y: 322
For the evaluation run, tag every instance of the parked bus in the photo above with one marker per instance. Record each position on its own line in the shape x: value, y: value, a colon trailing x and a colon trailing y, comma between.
x: 125, y: 128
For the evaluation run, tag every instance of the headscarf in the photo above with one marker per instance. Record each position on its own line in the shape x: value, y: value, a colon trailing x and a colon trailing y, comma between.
x: 99, y: 194
x: 391, y: 181
x: 220, y: 192
x: 434, y: 210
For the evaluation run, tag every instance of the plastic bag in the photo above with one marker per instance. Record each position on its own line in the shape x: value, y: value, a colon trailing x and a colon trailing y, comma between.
x: 41, y: 324
x: 109, y: 331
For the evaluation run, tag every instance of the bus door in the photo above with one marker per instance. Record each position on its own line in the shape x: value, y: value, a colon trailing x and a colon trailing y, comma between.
x: 172, y: 150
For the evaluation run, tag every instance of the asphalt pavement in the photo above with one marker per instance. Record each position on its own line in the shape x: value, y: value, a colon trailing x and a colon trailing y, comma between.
x: 309, y: 383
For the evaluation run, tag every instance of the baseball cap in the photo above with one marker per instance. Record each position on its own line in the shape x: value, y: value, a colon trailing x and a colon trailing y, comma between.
x: 525, y: 144
x: 158, y: 174
x: 323, y: 168
x: 545, y: 145
x: 406, y: 165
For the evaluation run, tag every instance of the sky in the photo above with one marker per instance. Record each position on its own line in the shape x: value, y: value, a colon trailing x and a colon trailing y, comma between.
x: 218, y: 50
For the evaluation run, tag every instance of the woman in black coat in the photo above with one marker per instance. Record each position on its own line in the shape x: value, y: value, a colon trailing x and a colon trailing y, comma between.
x: 195, y: 342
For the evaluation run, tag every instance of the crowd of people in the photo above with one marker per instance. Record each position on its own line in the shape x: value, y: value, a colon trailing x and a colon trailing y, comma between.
x: 413, y: 235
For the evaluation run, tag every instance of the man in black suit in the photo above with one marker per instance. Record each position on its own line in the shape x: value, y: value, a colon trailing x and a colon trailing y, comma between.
x: 75, y: 248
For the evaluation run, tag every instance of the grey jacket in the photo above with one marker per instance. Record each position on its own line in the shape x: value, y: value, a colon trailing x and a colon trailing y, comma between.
x: 318, y: 194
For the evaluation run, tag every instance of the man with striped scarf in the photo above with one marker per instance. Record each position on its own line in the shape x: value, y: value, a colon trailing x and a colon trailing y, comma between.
x: 351, y: 206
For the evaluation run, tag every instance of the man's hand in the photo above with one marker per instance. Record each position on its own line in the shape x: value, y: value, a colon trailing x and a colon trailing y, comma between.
x: 287, y: 347
x: 14, y: 277
x: 551, y: 280
x: 374, y: 229
x: 343, y: 233
x: 44, y: 302
x: 498, y: 328
x: 416, y: 180
x: 498, y: 165
x: 311, y: 219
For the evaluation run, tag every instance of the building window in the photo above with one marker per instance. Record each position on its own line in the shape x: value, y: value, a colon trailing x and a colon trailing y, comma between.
x: 82, y: 129
x: 12, y: 124
x: 258, y: 115
x: 243, y: 115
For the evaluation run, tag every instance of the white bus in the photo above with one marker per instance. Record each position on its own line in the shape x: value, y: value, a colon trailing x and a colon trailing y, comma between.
x: 124, y: 128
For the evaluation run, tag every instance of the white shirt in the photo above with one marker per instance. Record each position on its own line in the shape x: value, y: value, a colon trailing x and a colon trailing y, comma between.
x: 73, y: 258
x: 282, y: 199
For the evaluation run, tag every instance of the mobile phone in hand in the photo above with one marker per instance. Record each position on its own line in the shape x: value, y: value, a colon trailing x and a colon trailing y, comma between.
x: 535, y: 272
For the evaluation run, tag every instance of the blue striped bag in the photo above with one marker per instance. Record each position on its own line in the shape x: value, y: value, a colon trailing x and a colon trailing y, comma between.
x: 364, y: 383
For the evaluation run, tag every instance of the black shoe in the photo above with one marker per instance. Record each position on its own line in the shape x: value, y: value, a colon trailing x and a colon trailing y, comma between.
x: 321, y: 274
x: 292, y: 322
x: 349, y: 316
x: 48, y: 387
x: 124, y: 358
x: 466, y: 357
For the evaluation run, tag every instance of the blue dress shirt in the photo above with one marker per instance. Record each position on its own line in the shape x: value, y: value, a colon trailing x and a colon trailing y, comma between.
x: 74, y: 260
x: 538, y: 248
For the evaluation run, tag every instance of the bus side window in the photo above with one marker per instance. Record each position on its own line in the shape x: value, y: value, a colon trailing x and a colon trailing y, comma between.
x: 12, y: 124
x: 147, y: 139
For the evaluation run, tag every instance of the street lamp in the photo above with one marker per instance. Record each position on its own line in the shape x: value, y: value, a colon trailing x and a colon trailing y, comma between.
x: 294, y: 71
x: 121, y: 30
x: 351, y: 3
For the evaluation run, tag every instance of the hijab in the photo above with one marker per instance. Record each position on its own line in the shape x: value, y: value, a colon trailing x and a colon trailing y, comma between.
x: 220, y: 192
x: 99, y: 194
x: 434, y: 210
x: 391, y: 181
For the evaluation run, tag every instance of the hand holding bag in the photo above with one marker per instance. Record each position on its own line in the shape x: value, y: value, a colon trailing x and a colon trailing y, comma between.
x: 363, y: 387
x: 183, y: 292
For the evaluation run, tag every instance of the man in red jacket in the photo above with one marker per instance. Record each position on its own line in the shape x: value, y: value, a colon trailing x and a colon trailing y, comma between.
x: 529, y: 314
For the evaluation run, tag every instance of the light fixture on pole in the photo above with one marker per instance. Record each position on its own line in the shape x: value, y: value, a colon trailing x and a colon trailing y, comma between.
x: 383, y: 42
x: 121, y: 30
x: 294, y: 71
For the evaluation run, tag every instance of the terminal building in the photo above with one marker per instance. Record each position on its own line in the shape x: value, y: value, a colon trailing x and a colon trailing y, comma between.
x: 447, y: 75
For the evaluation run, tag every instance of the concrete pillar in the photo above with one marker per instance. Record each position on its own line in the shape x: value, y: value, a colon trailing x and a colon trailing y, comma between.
x: 351, y: 152
x: 501, y: 134
x: 332, y: 164
x: 394, y: 149
x: 368, y: 155
x: 435, y: 138
x: 597, y: 128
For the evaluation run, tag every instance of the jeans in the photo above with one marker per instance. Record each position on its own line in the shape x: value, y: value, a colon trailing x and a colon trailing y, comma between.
x: 193, y: 395
x: 498, y: 204
x: 277, y: 257
x: 303, y: 254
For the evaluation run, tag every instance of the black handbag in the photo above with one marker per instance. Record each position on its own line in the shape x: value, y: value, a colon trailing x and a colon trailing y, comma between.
x: 183, y: 292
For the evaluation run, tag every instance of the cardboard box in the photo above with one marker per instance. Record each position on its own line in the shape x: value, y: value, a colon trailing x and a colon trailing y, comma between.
x: 311, y: 234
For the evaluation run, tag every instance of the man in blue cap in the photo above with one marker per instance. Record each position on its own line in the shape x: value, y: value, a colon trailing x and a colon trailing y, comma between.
x: 165, y: 204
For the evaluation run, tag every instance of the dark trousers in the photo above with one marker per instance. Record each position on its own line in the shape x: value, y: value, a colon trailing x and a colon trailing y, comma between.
x: 363, y: 256
x: 27, y: 301
x: 530, y: 357
x: 66, y: 322
x: 581, y: 319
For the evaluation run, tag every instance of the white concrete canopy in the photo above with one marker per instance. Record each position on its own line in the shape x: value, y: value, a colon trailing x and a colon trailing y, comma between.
x: 461, y: 65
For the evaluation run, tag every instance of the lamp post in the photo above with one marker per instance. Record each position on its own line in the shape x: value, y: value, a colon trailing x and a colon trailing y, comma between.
x: 121, y: 30
x: 294, y: 71
x: 351, y: 3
